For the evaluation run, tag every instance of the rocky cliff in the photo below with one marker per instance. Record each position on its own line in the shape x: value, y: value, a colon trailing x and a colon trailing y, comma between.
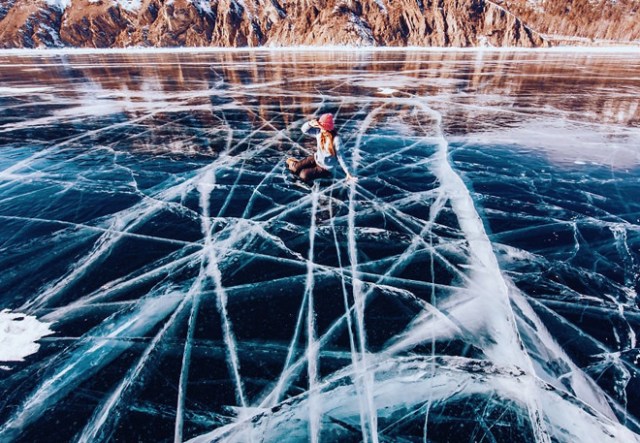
x: 166, y: 23
x: 580, y: 21
x: 234, y: 23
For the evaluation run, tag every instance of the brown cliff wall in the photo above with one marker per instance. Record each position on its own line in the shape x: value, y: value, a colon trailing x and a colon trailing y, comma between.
x: 234, y: 23
x: 28, y: 25
x: 612, y: 20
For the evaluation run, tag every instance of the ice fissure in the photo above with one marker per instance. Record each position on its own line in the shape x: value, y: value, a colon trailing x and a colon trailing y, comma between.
x: 479, y: 279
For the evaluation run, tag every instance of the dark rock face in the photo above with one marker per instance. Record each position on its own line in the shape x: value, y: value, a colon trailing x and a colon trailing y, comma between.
x: 236, y: 23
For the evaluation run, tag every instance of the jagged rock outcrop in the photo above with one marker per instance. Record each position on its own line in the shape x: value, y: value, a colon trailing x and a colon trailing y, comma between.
x: 589, y: 21
x: 29, y: 25
x: 236, y: 23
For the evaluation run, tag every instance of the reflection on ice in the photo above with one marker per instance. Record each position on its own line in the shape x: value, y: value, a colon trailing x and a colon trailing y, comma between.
x: 479, y: 280
x: 570, y: 143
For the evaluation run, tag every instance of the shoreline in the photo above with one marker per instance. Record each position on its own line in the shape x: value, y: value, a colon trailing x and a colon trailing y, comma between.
x: 630, y: 49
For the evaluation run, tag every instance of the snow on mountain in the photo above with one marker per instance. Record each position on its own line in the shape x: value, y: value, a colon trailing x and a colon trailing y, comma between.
x: 169, y: 23
x: 129, y: 5
x: 59, y: 4
x: 202, y: 5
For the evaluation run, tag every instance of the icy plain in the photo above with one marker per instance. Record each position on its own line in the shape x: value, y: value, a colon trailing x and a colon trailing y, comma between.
x: 479, y: 282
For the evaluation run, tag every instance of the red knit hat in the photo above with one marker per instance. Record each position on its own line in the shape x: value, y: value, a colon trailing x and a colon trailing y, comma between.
x: 326, y: 122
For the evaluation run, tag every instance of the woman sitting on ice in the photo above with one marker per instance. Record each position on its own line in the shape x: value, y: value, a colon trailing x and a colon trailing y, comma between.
x: 323, y: 162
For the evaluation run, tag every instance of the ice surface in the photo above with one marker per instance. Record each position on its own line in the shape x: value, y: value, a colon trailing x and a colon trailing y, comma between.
x: 479, y: 282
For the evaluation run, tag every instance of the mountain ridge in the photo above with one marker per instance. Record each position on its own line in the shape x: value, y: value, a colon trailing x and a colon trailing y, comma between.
x: 251, y: 23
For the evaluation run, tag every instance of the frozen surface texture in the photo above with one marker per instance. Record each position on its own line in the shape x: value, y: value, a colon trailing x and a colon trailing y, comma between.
x: 478, y: 283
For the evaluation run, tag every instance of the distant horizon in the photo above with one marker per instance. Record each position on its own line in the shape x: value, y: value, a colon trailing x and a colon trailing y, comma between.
x: 629, y: 48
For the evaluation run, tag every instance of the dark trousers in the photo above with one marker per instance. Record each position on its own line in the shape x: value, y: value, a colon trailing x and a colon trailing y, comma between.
x: 308, y: 170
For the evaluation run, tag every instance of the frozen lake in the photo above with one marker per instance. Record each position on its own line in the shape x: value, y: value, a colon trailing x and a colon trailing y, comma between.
x: 479, y: 282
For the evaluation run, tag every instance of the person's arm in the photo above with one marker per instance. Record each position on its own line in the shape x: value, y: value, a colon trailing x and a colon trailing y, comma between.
x: 337, y: 144
x: 310, y: 128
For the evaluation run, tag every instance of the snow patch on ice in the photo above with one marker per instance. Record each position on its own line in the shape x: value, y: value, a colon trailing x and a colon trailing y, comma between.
x: 563, y: 142
x: 19, y: 334
x: 7, y: 91
x: 511, y: 254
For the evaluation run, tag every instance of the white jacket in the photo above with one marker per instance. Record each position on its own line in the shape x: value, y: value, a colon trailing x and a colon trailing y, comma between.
x: 323, y: 157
